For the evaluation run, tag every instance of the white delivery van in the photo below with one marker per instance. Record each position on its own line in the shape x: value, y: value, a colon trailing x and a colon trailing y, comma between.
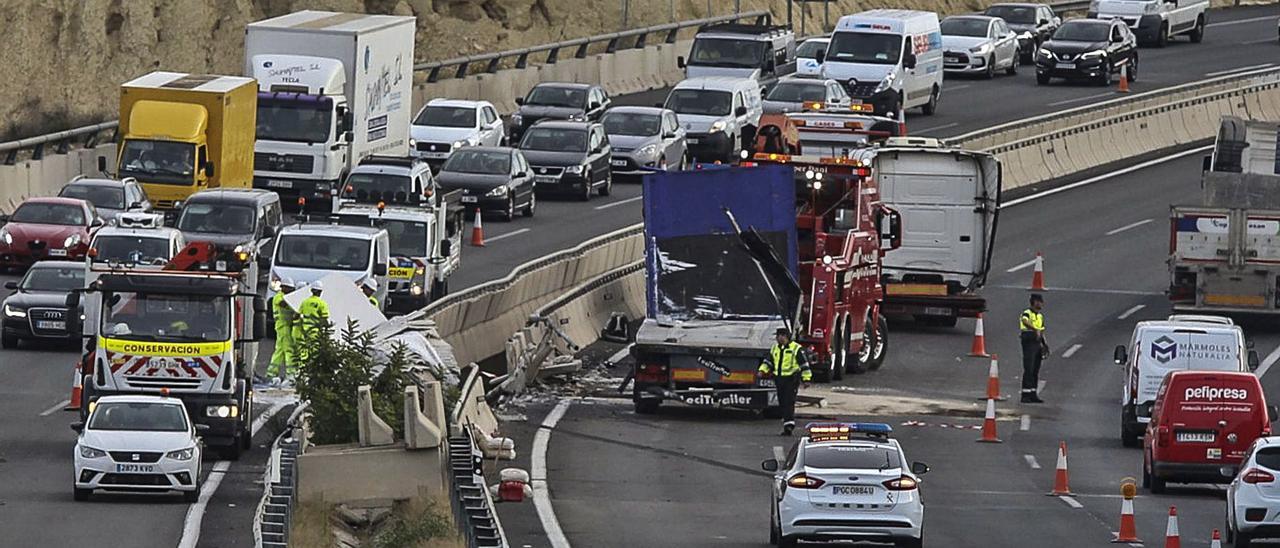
x: 719, y: 114
x: 888, y: 58
x: 307, y: 253
x: 1180, y: 343
x: 1154, y: 22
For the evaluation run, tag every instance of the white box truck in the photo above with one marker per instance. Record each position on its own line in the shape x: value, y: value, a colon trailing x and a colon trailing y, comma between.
x: 333, y: 88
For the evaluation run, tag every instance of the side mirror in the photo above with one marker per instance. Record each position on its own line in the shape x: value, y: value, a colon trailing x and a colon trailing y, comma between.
x: 1117, y: 39
x: 919, y: 468
x: 594, y: 105
x: 11, y: 285
x: 135, y: 205
x: 769, y: 465
x: 78, y: 427
x: 347, y: 121
x: 1043, y: 22
x: 446, y: 248
x: 521, y: 175
x: 1121, y: 355
x: 669, y: 135
x: 820, y: 57
x: 890, y: 226
x: 380, y: 269
x: 348, y: 136
x: 519, y: 101
x: 1272, y: 413
x: 740, y: 111
x: 202, y: 428
x: 72, y: 301
x: 208, y: 169
x: 909, y: 60
x: 680, y: 62
x: 659, y: 105
x: 1248, y: 343
x: 1253, y: 360
x: 96, y: 222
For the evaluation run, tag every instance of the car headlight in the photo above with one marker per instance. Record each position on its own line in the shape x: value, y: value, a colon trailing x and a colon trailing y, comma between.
x: 416, y: 289
x: 981, y: 50
x: 14, y: 312
x: 499, y: 191
x: 718, y: 126
x: 578, y: 117
x: 576, y: 170
x: 71, y: 241
x: 459, y: 144
x: 181, y: 454
x: 1044, y: 53
x: 1093, y: 54
x: 222, y: 411
x: 886, y: 83
x: 647, y: 150
x: 91, y: 453
x: 8, y: 238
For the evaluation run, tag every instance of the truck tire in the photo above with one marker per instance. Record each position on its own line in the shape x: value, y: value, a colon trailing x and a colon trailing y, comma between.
x: 881, y: 347
x: 647, y: 406
x: 930, y: 108
x: 823, y: 373
x: 232, y: 452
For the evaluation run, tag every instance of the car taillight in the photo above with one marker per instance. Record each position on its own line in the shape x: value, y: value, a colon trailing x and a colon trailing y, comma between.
x: 1255, y: 475
x: 651, y: 373
x: 801, y: 481
x: 1162, y: 434
x: 904, y: 483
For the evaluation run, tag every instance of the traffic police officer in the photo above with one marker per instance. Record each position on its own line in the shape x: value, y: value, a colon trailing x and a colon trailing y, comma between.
x: 282, y: 359
x: 1034, y: 348
x: 312, y: 313
x: 789, y: 367
x: 370, y: 286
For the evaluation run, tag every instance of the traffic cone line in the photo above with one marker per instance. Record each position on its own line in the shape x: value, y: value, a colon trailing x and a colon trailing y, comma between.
x: 1216, y: 541
x: 1037, y: 277
x: 477, y: 231
x: 979, y: 348
x: 1128, y: 528
x: 1124, y: 78
x: 993, y: 379
x: 1171, y: 537
x: 989, y: 424
x: 76, y: 389
x: 1061, y: 484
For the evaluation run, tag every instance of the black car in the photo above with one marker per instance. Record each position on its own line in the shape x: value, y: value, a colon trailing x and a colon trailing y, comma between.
x: 569, y: 158
x: 1088, y: 49
x: 558, y: 101
x: 37, y: 309
x: 491, y: 178
x: 1033, y: 23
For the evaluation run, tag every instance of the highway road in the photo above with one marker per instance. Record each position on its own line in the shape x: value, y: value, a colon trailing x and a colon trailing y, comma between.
x: 686, y: 479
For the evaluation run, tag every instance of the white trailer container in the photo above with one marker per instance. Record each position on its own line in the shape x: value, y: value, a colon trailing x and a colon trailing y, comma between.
x: 333, y: 88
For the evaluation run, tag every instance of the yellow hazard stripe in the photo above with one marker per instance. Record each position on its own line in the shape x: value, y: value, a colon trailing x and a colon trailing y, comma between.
x: 915, y: 289
x: 164, y: 349
x: 689, y: 374
x: 1236, y: 300
x: 400, y: 272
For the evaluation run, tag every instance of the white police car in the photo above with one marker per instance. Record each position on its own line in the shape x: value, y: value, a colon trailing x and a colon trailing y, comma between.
x: 1253, y: 498
x: 846, y: 481
x: 137, y: 444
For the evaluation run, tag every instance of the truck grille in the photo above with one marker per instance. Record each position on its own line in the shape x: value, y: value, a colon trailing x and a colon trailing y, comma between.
x: 128, y: 456
x: 861, y: 89
x: 162, y: 382
x: 38, y: 315
x: 284, y: 163
x: 434, y: 147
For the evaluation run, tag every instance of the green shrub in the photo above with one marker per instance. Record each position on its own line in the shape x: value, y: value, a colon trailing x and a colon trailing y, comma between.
x: 330, y: 374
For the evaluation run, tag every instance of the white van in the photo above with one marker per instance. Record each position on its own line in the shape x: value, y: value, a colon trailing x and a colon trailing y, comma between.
x: 1154, y: 22
x: 1180, y: 343
x: 889, y: 58
x: 719, y: 114
x: 306, y: 253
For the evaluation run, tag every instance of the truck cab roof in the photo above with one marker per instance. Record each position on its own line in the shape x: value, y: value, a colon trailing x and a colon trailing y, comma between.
x: 345, y: 231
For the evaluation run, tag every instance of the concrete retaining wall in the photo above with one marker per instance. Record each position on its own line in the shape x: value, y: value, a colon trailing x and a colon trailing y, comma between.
x: 583, y: 313
x: 46, y: 177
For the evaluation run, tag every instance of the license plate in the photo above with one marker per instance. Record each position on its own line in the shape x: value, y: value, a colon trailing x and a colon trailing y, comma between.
x: 767, y: 383
x: 853, y: 490
x: 435, y: 155
x: 46, y: 324
x: 277, y: 183
x: 1066, y: 65
x: 544, y: 179
x: 692, y: 141
x: 135, y: 468
x: 938, y: 311
x: 619, y: 163
x: 57, y: 253
x: 470, y: 199
x: 1196, y: 437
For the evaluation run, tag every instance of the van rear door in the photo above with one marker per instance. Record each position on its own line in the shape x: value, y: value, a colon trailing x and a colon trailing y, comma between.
x: 1163, y: 350
x: 1214, y: 418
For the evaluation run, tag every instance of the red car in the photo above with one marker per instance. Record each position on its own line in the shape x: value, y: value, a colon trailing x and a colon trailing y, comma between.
x: 47, y: 228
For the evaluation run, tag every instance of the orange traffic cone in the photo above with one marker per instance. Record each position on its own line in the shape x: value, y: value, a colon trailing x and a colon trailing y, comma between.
x: 1128, y: 528
x: 1037, y: 278
x: 1216, y: 541
x: 1061, y: 486
x: 993, y: 379
x: 989, y: 424
x: 76, y: 389
x: 1171, y: 537
x: 477, y: 231
x: 979, y: 348
x: 1124, y: 79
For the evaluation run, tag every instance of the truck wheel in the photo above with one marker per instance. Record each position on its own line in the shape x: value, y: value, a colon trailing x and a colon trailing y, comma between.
x: 1197, y: 34
x: 232, y: 452
x: 838, y: 356
x: 439, y: 289
x: 880, y: 349
x: 647, y: 406
x: 823, y: 374
x: 81, y: 495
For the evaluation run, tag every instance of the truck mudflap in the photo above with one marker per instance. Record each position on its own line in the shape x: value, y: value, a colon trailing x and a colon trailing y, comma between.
x: 740, y: 398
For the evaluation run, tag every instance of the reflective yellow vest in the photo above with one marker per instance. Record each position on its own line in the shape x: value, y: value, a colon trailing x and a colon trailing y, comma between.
x: 783, y: 362
x: 1032, y: 317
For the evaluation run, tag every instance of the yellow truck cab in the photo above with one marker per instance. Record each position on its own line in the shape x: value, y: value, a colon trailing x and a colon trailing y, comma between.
x: 182, y: 133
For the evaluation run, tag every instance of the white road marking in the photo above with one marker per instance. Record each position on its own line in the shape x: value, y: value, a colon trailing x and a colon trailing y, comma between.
x: 959, y: 87
x: 1082, y: 99
x: 56, y: 407
x: 620, y: 354
x: 1072, y: 351
x: 538, y: 475
x: 195, y: 513
x: 1026, y: 424
x: 1086, y: 290
x: 1031, y: 460
x: 1131, y: 311
x: 506, y: 235
x: 1238, y: 69
x: 1268, y: 362
x: 1071, y: 502
x: 1254, y: 42
x: 935, y: 128
x: 1040, y: 385
x: 1105, y: 176
x: 1022, y: 266
x: 1241, y: 21
x: 1129, y: 226
x: 619, y: 202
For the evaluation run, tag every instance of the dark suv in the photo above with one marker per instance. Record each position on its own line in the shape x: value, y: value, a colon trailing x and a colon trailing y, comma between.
x: 569, y: 158
x: 1089, y: 49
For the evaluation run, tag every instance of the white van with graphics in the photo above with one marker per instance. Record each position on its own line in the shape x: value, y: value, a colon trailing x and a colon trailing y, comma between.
x: 1180, y: 343
x: 891, y: 59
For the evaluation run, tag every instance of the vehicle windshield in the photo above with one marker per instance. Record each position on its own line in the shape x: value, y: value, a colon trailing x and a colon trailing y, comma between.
x: 810, y: 49
x: 1082, y: 31
x: 408, y: 238
x: 57, y: 278
x: 378, y: 187
x: 49, y: 214
x: 322, y: 252
x: 102, y: 197
x: 1017, y: 15
x: 446, y: 117
x: 494, y: 162
x: 700, y: 102
x: 862, y: 457
x: 797, y: 92
x: 166, y: 317
x: 563, y: 140
x: 295, y: 120
x: 631, y: 123
x: 121, y: 248
x: 723, y: 52
x: 138, y: 417
x: 865, y: 47
x: 165, y: 162
x: 964, y: 26
x: 554, y: 96
x: 216, y: 218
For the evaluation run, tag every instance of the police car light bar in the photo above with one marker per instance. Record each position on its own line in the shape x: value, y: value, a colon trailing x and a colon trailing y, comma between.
x: 846, y: 428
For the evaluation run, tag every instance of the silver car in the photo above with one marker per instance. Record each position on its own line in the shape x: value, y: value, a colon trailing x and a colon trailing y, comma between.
x: 800, y: 94
x: 644, y: 138
x: 978, y: 44
x: 110, y: 197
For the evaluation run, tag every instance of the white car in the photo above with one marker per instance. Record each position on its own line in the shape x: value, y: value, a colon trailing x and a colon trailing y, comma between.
x: 979, y: 44
x: 1253, y: 498
x: 137, y: 444
x: 444, y: 125
x: 807, y: 53
x: 846, y: 481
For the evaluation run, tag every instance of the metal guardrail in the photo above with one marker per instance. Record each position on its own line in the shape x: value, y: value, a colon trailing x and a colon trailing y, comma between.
x: 60, y: 140
x: 612, y: 42
x: 274, y: 517
x: 473, y: 510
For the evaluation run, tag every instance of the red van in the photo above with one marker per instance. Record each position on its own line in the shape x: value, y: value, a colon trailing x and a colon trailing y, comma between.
x: 1201, y: 426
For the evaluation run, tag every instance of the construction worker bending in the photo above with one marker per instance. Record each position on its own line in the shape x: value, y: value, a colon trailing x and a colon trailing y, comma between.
x: 282, y: 359
x: 789, y: 368
x: 1034, y: 348
x: 312, y: 313
x: 369, y: 287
